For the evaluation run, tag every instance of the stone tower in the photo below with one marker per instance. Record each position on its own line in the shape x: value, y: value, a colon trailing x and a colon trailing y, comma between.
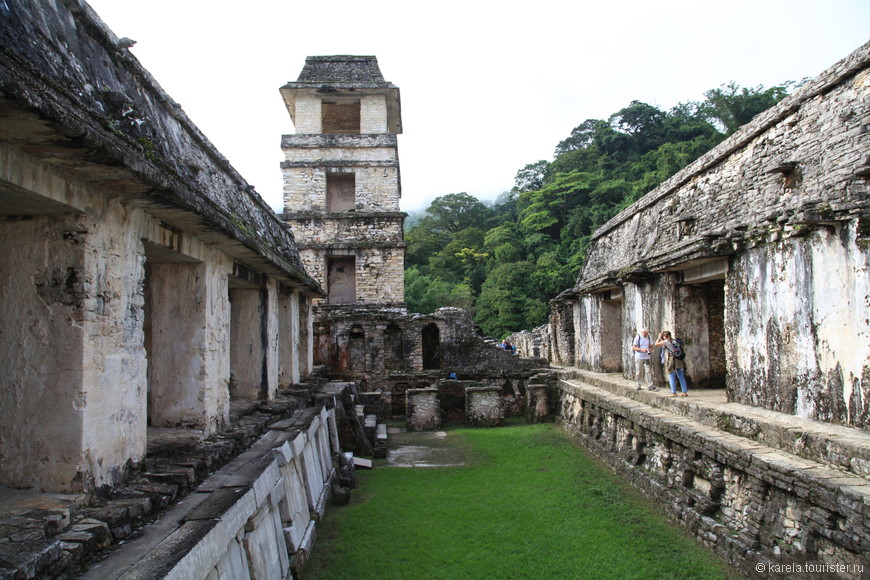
x: 341, y: 179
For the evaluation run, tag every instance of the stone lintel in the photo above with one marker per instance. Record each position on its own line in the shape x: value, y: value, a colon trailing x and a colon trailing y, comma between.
x: 346, y: 215
x: 351, y: 246
x: 339, y: 141
x: 339, y: 163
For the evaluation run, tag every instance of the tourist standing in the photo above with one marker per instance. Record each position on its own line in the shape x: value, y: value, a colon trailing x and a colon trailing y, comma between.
x: 642, y: 347
x: 672, y: 353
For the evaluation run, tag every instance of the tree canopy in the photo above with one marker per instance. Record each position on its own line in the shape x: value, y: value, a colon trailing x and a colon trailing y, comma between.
x: 506, y: 260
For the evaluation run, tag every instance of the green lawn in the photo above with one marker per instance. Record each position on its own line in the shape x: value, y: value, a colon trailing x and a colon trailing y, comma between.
x: 530, y: 505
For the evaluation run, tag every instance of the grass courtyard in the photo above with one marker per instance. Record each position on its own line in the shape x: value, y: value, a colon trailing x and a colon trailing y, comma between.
x: 527, y: 503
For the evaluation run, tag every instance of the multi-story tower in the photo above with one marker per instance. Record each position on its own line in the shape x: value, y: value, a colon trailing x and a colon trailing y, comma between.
x: 341, y: 179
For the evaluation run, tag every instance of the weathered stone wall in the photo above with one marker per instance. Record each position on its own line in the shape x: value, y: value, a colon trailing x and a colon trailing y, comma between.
x: 461, y: 348
x: 355, y: 228
x: 373, y: 114
x: 376, y: 176
x: 799, y: 342
x: 187, y: 336
x: 379, y: 275
x: 562, y: 333
x: 752, y: 504
x: 384, y: 350
x: 113, y: 201
x: 50, y: 314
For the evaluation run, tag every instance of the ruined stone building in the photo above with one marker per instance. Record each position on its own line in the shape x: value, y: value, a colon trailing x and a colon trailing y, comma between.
x: 144, y: 282
x: 147, y: 290
x: 157, y: 321
x: 758, y: 256
x: 341, y: 199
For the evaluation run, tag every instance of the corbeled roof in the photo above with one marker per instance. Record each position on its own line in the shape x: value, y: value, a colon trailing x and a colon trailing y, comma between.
x: 341, y: 69
x: 344, y: 76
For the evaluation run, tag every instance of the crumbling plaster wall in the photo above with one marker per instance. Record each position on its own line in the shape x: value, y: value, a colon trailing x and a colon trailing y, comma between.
x: 799, y: 334
x: 190, y: 331
x: 43, y: 352
x: 74, y: 346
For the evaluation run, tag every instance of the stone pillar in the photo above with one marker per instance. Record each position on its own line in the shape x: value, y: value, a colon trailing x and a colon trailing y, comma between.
x: 271, y: 355
x: 423, y: 408
x: 288, y: 338
x: 483, y: 407
x: 306, y: 336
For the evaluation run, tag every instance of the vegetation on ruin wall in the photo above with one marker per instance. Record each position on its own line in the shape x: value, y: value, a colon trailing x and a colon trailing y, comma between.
x: 505, y: 261
x: 531, y: 504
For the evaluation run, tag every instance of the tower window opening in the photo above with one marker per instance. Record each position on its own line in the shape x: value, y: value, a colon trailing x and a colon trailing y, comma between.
x: 340, y: 117
x: 340, y: 192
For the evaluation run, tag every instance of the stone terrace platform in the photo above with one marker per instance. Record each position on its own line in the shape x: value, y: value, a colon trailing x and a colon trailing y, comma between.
x: 765, y: 490
x: 838, y: 446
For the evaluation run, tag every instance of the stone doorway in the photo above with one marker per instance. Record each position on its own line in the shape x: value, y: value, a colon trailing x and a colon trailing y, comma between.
x: 394, y: 352
x: 356, y: 359
x: 611, y: 336
x: 341, y: 280
x: 431, y: 346
x: 174, y: 311
x: 700, y: 318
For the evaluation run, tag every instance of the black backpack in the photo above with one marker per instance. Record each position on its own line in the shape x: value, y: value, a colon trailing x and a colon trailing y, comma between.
x: 679, y: 352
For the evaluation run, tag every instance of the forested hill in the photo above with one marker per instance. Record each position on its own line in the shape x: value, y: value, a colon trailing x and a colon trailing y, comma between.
x: 507, y: 260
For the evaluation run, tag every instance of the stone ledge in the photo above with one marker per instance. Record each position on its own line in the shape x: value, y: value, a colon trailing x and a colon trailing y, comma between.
x: 845, y: 448
x: 767, y: 463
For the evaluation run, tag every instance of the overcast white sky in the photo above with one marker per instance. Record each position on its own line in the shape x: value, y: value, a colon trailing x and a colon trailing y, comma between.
x: 487, y: 87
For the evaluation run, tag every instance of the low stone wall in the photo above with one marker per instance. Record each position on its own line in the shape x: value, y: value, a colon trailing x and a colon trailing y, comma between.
x: 483, y: 407
x: 756, y: 506
x: 538, y: 407
x: 254, y: 519
x: 424, y: 409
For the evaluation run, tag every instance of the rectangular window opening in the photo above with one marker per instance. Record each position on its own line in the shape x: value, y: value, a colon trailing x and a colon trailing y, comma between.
x: 340, y: 117
x: 340, y: 192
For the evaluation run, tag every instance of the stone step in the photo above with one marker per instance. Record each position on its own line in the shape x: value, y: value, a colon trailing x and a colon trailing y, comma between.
x: 380, y: 446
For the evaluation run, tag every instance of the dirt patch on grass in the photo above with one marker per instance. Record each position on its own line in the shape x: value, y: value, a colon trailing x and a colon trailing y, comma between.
x: 426, y: 449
